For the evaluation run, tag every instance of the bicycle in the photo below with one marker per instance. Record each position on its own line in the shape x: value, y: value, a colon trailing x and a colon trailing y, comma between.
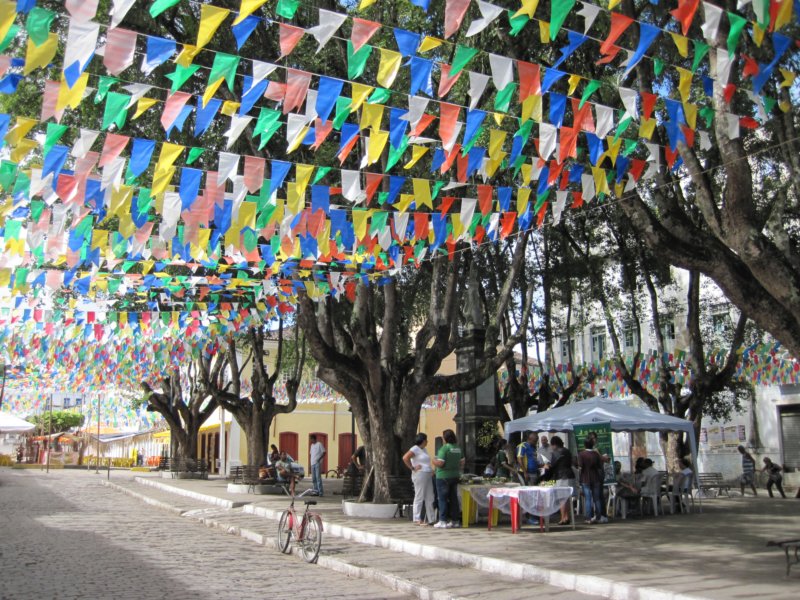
x: 307, y: 530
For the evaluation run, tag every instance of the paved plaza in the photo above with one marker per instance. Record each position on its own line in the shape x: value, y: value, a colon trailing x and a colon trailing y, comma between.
x: 123, y: 531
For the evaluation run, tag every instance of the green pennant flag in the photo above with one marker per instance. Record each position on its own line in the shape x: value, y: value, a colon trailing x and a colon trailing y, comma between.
x: 287, y: 8
x: 769, y: 103
x: 180, y: 75
x: 143, y: 201
x: 559, y: 9
x: 37, y: 206
x: 630, y: 146
x: 103, y: 86
x: 468, y: 146
x: 700, y: 51
x: 116, y: 111
x: 321, y: 172
x: 380, y: 96
x: 395, y: 154
x: 342, y: 112
x: 436, y: 188
x: 540, y: 200
x: 461, y: 59
x: 54, y: 133
x: 357, y: 61
x: 10, y: 36
x: 38, y: 24
x: 266, y: 125
x: 378, y: 222
x: 524, y: 130
x: 658, y: 66
x: 707, y: 113
x: 737, y: 25
x: 250, y: 239
x: 622, y: 127
x: 502, y: 101
x: 22, y: 185
x: 159, y: 6
x: 591, y: 88
x: 517, y: 23
x: 194, y: 154
x: 224, y: 67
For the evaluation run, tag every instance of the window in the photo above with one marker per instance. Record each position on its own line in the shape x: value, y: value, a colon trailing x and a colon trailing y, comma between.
x: 567, y: 349
x: 790, y: 435
x: 719, y: 323
x: 630, y: 337
x: 598, y: 343
x: 668, y: 330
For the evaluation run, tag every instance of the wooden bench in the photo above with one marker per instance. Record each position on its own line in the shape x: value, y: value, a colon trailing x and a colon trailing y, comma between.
x: 788, y: 547
x: 401, y: 492
x: 713, y: 481
x: 249, y: 475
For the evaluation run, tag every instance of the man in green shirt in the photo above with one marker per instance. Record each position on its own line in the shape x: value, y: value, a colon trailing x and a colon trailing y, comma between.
x: 448, y: 462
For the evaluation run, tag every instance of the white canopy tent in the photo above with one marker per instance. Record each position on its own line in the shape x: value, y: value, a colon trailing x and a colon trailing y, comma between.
x: 603, y: 410
x: 11, y: 424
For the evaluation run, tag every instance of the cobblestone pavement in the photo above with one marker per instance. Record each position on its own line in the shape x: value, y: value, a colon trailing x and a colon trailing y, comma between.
x: 65, y: 536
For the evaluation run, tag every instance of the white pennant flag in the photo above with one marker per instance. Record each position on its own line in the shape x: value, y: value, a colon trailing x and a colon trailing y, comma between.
x: 560, y: 205
x: 604, y: 120
x: 724, y: 64
x: 502, y: 70
x: 385, y: 237
x: 494, y: 222
x: 261, y: 71
x: 489, y: 12
x: 705, y: 141
x: 38, y: 184
x: 311, y: 105
x: 136, y: 90
x: 112, y: 173
x: 239, y: 193
x: 329, y: 23
x: 589, y: 13
x: 654, y: 152
x: 628, y: 97
x: 713, y: 16
x: 477, y: 85
x: 547, y: 139
x: 169, y: 216
x: 587, y: 187
x: 400, y: 225
x: 238, y: 123
x: 756, y: 99
x: 119, y: 10
x: 416, y: 108
x: 228, y: 165
x: 84, y: 143
x: 448, y: 145
x: 351, y: 186
x: 81, y: 43
x: 741, y: 4
x: 731, y: 125
x: 295, y: 127
x: 81, y: 11
x: 467, y: 211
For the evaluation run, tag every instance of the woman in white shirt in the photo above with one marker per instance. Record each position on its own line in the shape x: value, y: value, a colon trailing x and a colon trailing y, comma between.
x: 419, y: 461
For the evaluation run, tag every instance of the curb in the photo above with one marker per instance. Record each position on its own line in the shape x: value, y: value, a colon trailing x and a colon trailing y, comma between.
x: 587, y: 584
x: 143, y: 498
x: 208, y: 499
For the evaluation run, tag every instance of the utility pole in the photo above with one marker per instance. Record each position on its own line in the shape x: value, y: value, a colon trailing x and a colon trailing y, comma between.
x: 50, y: 433
x: 97, y: 462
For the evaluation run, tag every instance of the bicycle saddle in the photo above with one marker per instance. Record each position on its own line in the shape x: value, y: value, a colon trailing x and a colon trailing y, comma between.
x: 310, y: 502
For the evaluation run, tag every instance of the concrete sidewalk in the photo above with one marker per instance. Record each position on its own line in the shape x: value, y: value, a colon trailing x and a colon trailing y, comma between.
x: 720, y: 553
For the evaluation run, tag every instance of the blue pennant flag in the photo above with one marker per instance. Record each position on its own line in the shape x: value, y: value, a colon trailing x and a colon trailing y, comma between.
x: 575, y: 40
x: 407, y: 41
x: 475, y: 159
x: 320, y: 198
x: 189, y: 186
x: 550, y: 77
x: 475, y: 119
x: 252, y: 93
x: 54, y: 160
x: 205, y: 116
x: 504, y: 198
x: 279, y: 172
x: 647, y: 35
x: 243, y: 30
x: 558, y: 104
x: 177, y: 124
x: 158, y: 52
x: 397, y: 126
x: 396, y: 183
x: 421, y: 76
x: 595, y: 148
x: 327, y: 93
x: 141, y: 153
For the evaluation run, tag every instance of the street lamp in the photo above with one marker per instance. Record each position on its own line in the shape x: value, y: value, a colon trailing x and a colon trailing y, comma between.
x: 3, y: 385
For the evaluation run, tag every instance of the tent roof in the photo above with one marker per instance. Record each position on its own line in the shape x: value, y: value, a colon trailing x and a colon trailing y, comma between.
x: 599, y: 410
x: 11, y: 424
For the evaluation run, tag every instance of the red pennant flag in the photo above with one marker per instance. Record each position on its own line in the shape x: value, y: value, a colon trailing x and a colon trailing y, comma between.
x: 363, y: 30
x: 275, y: 91
x: 297, y: 83
x: 289, y: 36
x: 568, y: 144
x: 748, y: 122
x: 529, y: 79
x: 648, y: 104
x: 447, y: 202
x: 582, y: 119
x: 446, y: 82
x: 321, y: 132
x: 462, y: 162
x: 454, y: 11
x: 316, y: 221
x: 253, y: 173
x: 688, y: 134
x: 685, y: 13
x: 577, y: 200
x: 750, y: 66
x: 448, y: 115
x: 346, y: 150
x: 730, y: 90
x: 613, y: 51
x: 450, y: 158
x: 637, y: 167
x: 670, y: 155
x: 485, y: 198
x: 480, y: 232
x: 422, y: 125
x: 542, y: 213
x: 619, y: 23
x: 173, y: 107
x: 562, y: 185
x: 421, y: 223
x: 373, y: 181
x: 507, y: 224
x: 112, y: 148
x: 555, y: 171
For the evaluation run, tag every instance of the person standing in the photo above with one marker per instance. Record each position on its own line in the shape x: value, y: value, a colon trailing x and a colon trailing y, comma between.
x: 561, y: 470
x: 448, y: 462
x: 317, y: 453
x: 589, y: 463
x: 748, y: 470
x: 773, y: 471
x: 526, y: 457
x: 419, y: 461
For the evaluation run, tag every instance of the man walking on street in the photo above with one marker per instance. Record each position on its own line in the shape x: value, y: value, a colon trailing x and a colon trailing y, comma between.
x: 317, y: 453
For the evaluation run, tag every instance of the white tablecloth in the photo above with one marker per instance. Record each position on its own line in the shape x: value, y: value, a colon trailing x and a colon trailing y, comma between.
x: 535, y: 500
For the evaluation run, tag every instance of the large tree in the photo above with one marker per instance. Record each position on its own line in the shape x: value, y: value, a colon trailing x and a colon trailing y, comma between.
x: 383, y: 351
x: 254, y: 411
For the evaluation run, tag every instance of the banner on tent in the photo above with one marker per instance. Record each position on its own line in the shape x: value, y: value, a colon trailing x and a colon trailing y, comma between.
x: 603, y: 445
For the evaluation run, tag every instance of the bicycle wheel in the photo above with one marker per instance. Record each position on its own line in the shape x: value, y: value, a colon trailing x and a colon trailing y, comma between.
x: 284, y: 532
x: 312, y: 539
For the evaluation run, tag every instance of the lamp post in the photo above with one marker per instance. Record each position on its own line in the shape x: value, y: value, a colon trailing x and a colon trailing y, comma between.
x: 3, y: 385
x: 97, y: 462
x: 50, y: 433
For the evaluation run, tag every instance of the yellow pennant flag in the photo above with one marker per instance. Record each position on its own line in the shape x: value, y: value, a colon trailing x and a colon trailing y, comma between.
x: 71, y: 98
x: 758, y: 34
x: 788, y: 76
x: 532, y: 108
x: 168, y: 155
x: 523, y: 196
x: 526, y: 170
x: 528, y: 7
x: 360, y: 217
x: 211, y: 17
x: 302, y: 175
x: 359, y: 93
x: 681, y: 43
x: 784, y: 15
x: 684, y: 83
x: 377, y: 142
x: 247, y: 8
x: 544, y: 32
x: 161, y: 181
x: 295, y: 143
x: 126, y: 225
x: 8, y: 13
x: 247, y: 215
x: 142, y: 105
x: 388, y: 67
x: 498, y: 118
x: 422, y: 193
x: 23, y: 148
x: 371, y: 115
x: 613, y: 3
x: 494, y: 164
x: 120, y: 201
x: 458, y: 226
x: 600, y: 183
x: 41, y: 56
x: 229, y: 108
x: 5, y: 278
x: 323, y: 237
x: 496, y: 140
x: 429, y: 43
x: 613, y: 148
x: 417, y: 152
x: 366, y: 4
x: 187, y: 55
x: 211, y: 90
x: 647, y: 127
x: 574, y: 80
x: 690, y: 112
x: 405, y: 201
x: 21, y: 128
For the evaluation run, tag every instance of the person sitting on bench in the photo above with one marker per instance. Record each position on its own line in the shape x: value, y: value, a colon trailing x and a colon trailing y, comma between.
x: 284, y: 473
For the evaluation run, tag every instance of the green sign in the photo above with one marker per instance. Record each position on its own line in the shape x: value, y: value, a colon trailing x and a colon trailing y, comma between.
x: 602, y: 445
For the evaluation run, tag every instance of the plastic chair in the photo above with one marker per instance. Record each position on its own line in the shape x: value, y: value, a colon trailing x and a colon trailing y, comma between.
x: 652, y: 491
x: 682, y: 491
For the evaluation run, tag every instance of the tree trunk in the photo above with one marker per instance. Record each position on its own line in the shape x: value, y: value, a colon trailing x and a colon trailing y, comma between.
x: 256, y: 432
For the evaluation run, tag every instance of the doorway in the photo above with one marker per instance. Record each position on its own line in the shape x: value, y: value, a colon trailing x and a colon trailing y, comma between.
x: 348, y: 442
x: 288, y: 442
x: 321, y: 437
